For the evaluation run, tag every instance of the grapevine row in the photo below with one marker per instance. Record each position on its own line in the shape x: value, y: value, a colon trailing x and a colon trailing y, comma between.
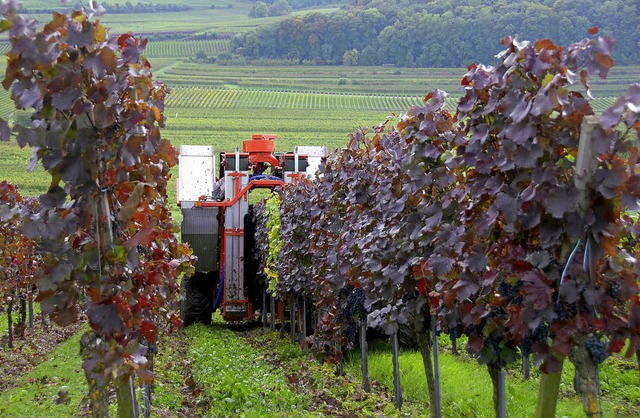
x: 211, y: 47
x: 508, y: 221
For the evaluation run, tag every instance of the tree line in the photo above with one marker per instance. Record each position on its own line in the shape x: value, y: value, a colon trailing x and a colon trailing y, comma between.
x: 439, y: 33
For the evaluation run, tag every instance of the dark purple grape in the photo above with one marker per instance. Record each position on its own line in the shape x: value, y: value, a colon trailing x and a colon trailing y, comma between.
x: 598, y: 349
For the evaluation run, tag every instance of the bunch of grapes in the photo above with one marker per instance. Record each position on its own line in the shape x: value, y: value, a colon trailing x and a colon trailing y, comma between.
x: 566, y: 310
x: 509, y: 292
x: 539, y: 334
x: 598, y: 349
x: 613, y: 290
x: 352, y: 330
x: 355, y: 304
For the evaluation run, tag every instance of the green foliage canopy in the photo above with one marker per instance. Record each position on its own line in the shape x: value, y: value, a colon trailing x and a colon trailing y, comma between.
x: 441, y: 33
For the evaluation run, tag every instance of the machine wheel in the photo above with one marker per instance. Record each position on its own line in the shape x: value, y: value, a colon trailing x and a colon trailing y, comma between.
x: 197, y: 302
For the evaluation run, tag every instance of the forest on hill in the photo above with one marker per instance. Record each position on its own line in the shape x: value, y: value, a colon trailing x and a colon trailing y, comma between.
x: 439, y: 33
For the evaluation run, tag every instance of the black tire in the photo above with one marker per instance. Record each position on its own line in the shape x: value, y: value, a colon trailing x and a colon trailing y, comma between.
x: 197, y: 302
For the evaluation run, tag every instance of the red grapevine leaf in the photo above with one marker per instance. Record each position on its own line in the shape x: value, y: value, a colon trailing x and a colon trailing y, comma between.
x: 124, y: 39
x: 148, y: 331
x: 536, y: 289
x: 545, y: 44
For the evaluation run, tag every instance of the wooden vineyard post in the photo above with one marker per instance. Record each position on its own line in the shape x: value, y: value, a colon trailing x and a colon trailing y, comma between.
x: 437, y: 401
x: 586, y: 366
x: 127, y: 402
x: 272, y: 302
x: 548, y: 393
x: 10, y: 321
x: 43, y: 320
x: 22, y: 318
x: 98, y: 391
x: 147, y: 388
x: 425, y: 343
x: 499, y: 389
x: 363, y: 352
x: 526, y: 366
x: 264, y: 307
x: 30, y: 309
x: 293, y: 321
x: 303, y: 321
x: 340, y: 364
x: 397, y: 389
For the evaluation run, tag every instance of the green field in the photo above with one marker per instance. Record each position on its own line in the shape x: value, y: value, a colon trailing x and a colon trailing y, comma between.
x: 223, y: 105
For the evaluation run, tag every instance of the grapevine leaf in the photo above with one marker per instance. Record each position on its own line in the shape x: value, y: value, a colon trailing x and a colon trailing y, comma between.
x: 107, y: 316
x: 542, y: 104
x: 54, y: 198
x: 612, y: 116
x: 74, y: 169
x: 23, y: 26
x: 507, y: 206
x: 558, y: 202
x: 536, y: 289
x: 80, y: 35
x: 27, y: 94
x: 66, y: 99
x: 103, y: 117
x: 521, y: 132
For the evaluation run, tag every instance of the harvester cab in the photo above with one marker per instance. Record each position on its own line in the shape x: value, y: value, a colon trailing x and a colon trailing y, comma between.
x: 218, y: 223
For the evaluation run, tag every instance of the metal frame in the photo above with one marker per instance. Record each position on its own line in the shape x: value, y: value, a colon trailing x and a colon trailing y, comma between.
x: 235, y: 305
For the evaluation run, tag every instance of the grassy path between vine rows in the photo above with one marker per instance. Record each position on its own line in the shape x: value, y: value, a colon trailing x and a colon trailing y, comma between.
x: 258, y: 373
x: 467, y: 388
x: 218, y: 371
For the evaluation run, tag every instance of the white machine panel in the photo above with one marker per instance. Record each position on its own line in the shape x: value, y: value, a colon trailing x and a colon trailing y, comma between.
x: 314, y: 157
x: 196, y: 172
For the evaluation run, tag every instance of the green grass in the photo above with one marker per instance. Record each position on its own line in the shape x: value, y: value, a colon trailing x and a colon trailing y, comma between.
x: 467, y: 388
x: 235, y: 378
x: 38, y: 390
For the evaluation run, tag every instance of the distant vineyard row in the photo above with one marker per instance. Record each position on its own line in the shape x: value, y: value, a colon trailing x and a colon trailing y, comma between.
x: 220, y: 98
x: 211, y: 47
x: 195, y: 97
x: 214, y: 98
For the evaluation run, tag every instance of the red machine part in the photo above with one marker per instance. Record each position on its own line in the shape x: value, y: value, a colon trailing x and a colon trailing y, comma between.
x: 260, y: 149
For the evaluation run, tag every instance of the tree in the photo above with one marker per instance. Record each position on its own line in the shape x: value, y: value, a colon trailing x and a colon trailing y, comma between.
x: 351, y: 57
x: 258, y: 10
x: 280, y: 8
